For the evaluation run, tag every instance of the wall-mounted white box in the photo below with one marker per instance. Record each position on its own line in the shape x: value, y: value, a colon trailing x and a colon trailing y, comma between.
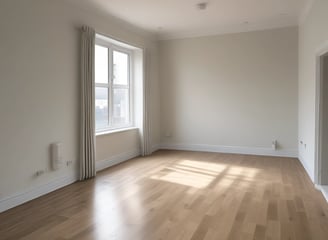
x: 56, y: 155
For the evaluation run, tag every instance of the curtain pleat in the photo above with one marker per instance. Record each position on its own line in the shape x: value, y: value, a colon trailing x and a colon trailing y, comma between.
x: 87, y: 139
x: 145, y: 131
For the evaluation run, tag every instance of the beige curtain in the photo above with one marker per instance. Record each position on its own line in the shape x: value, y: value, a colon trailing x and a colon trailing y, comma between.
x: 87, y: 138
x: 145, y: 128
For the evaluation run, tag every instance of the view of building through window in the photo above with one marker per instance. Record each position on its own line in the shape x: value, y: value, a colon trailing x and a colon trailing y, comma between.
x: 112, y: 88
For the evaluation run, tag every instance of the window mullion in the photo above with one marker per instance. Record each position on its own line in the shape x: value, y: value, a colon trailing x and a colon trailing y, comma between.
x: 124, y: 92
x: 129, y: 89
x: 109, y: 88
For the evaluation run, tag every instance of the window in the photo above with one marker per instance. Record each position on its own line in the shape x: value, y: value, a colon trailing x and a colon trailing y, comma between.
x: 112, y: 87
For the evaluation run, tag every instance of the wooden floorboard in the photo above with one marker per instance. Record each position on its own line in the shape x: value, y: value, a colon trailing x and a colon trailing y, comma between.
x: 180, y: 195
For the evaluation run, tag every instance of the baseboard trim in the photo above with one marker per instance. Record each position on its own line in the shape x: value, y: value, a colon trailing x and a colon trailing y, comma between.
x: 23, y: 197
x: 231, y: 149
x: 114, y: 160
x: 323, y: 189
x: 155, y: 147
x: 26, y: 196
x: 306, y: 167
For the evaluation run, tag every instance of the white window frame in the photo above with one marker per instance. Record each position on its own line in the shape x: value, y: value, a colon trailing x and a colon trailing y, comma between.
x: 110, y: 86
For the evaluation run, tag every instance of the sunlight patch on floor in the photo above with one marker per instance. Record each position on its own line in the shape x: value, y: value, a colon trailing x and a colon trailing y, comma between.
x: 204, y: 166
x: 191, y: 173
x: 188, y: 179
x: 200, y: 174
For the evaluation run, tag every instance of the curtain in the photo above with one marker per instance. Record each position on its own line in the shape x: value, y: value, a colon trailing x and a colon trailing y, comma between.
x: 145, y: 128
x: 87, y: 137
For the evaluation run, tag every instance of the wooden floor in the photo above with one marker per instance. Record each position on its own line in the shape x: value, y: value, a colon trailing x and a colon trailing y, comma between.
x: 180, y: 195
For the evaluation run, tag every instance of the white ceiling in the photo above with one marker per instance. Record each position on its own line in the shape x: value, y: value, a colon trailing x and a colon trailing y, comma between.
x: 181, y: 18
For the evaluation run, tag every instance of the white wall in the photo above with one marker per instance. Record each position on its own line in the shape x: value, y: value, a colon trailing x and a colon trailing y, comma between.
x: 233, y: 93
x: 39, y: 90
x: 313, y: 34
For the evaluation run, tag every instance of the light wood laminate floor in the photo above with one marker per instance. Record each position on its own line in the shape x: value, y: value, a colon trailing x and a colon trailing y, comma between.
x: 180, y: 195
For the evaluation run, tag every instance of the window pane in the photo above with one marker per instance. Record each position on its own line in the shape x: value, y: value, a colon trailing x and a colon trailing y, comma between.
x: 101, y: 107
x: 121, y: 107
x: 101, y: 64
x: 121, y: 68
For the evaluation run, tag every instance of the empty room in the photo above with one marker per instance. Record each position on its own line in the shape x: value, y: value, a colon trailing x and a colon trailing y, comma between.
x: 163, y: 120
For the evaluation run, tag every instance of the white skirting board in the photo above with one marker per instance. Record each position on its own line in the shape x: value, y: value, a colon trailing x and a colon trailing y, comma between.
x: 100, y: 165
x: 307, y: 168
x: 155, y: 147
x: 231, y: 149
x: 23, y: 197
x: 324, y: 190
x: 26, y: 196
x: 310, y: 173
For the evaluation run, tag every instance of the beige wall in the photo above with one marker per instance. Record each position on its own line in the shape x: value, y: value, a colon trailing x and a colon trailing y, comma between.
x: 231, y: 90
x: 313, y: 34
x: 324, y: 163
x: 236, y: 90
x: 117, y: 143
x: 39, y: 89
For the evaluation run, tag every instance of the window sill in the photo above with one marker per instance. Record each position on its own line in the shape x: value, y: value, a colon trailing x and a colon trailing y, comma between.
x: 107, y: 132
